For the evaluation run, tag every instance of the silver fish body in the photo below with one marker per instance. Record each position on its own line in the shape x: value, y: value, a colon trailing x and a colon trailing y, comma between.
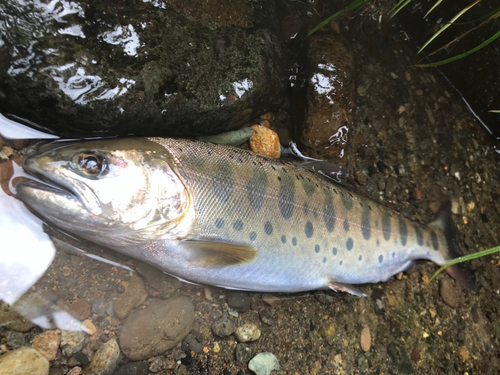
x: 224, y: 216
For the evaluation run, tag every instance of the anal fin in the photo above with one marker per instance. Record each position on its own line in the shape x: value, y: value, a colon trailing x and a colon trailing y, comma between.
x: 217, y: 254
x: 348, y: 288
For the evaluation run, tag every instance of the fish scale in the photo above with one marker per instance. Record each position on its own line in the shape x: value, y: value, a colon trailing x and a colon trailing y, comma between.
x: 225, y: 216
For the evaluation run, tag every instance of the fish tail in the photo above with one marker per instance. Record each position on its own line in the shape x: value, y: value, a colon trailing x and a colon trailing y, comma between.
x: 460, y: 271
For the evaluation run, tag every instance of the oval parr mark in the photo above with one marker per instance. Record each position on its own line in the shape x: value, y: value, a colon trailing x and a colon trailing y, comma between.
x: 346, y: 225
x: 253, y: 236
x: 380, y: 258
x: 365, y: 222
x: 386, y: 225
x: 393, y: 254
x: 420, y: 235
x: 286, y: 197
x: 403, y: 231
x: 346, y: 200
x: 268, y: 228
x: 334, y: 251
x: 283, y: 239
x: 256, y: 188
x: 349, y: 244
x: 294, y: 241
x: 378, y: 243
x: 309, y: 229
x: 308, y: 186
x: 360, y: 258
x: 317, y: 249
x: 434, y: 240
x: 219, y: 223
x: 340, y: 263
x: 238, y: 225
x: 324, y: 260
x: 222, y: 181
x: 328, y: 211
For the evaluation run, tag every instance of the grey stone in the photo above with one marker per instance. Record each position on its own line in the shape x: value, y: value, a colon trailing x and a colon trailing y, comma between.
x: 264, y: 363
x: 105, y: 359
x: 193, y: 342
x: 134, y: 296
x: 133, y: 368
x: 224, y: 326
x: 238, y: 301
x: 71, y: 342
x: 243, y: 353
x: 155, y: 279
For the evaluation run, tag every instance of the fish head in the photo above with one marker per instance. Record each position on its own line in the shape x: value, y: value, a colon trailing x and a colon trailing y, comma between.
x: 110, y: 191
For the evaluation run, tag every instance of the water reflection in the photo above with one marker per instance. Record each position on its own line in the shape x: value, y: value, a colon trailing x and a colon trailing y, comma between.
x: 126, y: 37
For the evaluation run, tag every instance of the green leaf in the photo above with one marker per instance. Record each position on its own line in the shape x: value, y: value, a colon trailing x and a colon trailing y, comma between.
x: 451, y: 59
x: 465, y: 258
x: 448, y: 25
x: 400, y: 5
x: 433, y: 7
x: 494, y: 111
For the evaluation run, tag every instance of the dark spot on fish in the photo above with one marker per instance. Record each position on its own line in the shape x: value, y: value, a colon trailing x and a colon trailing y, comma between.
x: 378, y: 243
x: 334, y: 251
x: 386, y: 225
x: 256, y: 188
x: 253, y: 236
x: 283, y: 239
x: 324, y: 260
x: 341, y: 262
x: 403, y: 231
x: 294, y: 241
x: 238, y: 225
x: 328, y: 211
x: 349, y: 244
x: 380, y: 258
x: 268, y: 228
x: 286, y: 196
x: 223, y: 181
x: 219, y: 223
x: 360, y: 257
x: 420, y: 236
x: 346, y: 200
x: 434, y: 239
x: 346, y: 225
x: 393, y: 254
x: 365, y: 222
x: 279, y: 178
x: 309, y: 229
x: 308, y: 186
x: 316, y: 249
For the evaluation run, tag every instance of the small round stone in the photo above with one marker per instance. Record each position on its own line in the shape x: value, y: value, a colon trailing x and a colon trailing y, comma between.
x: 247, y: 332
x: 265, y: 142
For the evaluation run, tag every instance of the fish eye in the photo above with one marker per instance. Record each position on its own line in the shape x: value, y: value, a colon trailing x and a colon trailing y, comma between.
x: 91, y: 164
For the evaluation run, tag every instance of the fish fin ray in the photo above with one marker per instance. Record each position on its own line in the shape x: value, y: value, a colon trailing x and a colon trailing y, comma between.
x: 460, y: 271
x: 218, y: 254
x: 348, y: 288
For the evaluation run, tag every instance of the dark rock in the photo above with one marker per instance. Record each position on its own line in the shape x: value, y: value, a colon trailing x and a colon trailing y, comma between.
x: 399, y: 358
x: 449, y: 293
x: 215, y: 315
x: 371, y: 188
x: 243, y: 353
x: 82, y: 359
x: 382, y: 167
x: 156, y: 328
x: 223, y: 327
x: 193, y: 342
x: 372, y: 170
x: 157, y: 70
x: 133, y: 368
x: 99, y: 308
x: 392, y: 185
x: 238, y: 301
x: 133, y: 296
x: 162, y: 283
x: 266, y: 316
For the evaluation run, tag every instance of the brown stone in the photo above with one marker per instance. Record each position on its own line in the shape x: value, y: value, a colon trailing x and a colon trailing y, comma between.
x: 265, y: 142
x: 134, y: 296
x: 80, y: 309
x: 47, y: 344
x: 366, y: 339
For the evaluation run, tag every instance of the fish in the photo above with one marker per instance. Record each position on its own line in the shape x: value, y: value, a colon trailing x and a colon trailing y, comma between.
x: 224, y: 216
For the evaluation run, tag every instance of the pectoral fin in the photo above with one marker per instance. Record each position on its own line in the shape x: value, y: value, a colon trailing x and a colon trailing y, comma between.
x: 346, y: 288
x: 217, y: 254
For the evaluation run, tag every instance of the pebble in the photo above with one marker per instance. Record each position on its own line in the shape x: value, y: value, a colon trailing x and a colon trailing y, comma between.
x: 71, y: 342
x: 238, y: 301
x: 99, y: 308
x: 80, y: 309
x: 391, y: 186
x: 193, y: 342
x: 243, y: 353
x: 266, y: 317
x: 134, y: 296
x: 24, y: 361
x: 12, y: 320
x: 247, y: 332
x: 215, y: 315
x: 464, y: 354
x: 156, y: 328
x: 263, y: 364
x: 271, y: 300
x: 133, y: 368
x: 449, y: 293
x: 216, y: 347
x: 47, y: 344
x: 415, y: 355
x: 159, y: 281
x: 156, y: 364
x: 208, y: 293
x: 88, y: 327
x: 224, y: 326
x: 105, y: 359
x: 366, y: 339
x: 77, y: 370
x: 265, y: 142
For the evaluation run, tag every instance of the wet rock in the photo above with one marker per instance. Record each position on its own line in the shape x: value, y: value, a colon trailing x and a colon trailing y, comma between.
x: 23, y: 361
x: 14, y: 321
x: 330, y: 97
x: 99, y: 308
x: 243, y: 353
x: 133, y: 368
x: 193, y: 342
x: 224, y: 326
x: 156, y: 328
x: 110, y: 74
x: 162, y: 283
x: 247, y: 332
x: 88, y: 327
x: 71, y: 342
x: 47, y: 344
x: 264, y: 363
x: 105, y: 359
x: 266, y: 317
x: 80, y: 309
x: 265, y: 142
x: 81, y: 359
x: 238, y: 301
x: 156, y: 365
x: 134, y: 296
x: 449, y: 293
x: 271, y: 300
x: 366, y: 339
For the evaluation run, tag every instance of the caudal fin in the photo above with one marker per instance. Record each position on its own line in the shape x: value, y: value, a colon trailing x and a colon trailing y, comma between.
x: 460, y: 271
